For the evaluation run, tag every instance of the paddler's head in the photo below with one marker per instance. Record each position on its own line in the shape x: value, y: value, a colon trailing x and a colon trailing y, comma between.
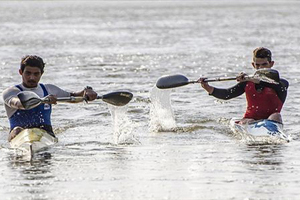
x: 262, y: 58
x: 31, y: 70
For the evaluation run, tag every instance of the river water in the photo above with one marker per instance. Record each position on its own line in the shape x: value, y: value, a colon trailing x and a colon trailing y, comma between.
x: 135, y: 152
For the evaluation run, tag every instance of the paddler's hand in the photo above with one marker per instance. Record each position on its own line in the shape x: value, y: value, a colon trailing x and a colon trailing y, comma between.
x: 51, y: 99
x: 15, y: 102
x: 243, y: 77
x: 89, y: 94
x: 205, y: 85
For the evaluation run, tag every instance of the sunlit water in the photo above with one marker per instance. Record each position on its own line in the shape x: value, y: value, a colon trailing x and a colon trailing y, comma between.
x: 127, y: 153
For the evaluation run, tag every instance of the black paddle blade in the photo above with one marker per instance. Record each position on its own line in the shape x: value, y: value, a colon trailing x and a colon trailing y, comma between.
x: 172, y: 81
x: 268, y: 75
x: 29, y: 99
x: 117, y: 98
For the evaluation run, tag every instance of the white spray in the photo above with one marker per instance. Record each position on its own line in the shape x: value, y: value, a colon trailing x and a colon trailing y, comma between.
x: 161, y: 113
x: 122, y: 125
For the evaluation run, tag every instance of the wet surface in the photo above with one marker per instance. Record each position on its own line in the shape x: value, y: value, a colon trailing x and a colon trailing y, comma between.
x: 142, y: 151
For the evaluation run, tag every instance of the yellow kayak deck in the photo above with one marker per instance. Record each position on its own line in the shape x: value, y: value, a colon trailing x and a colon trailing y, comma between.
x: 32, y: 140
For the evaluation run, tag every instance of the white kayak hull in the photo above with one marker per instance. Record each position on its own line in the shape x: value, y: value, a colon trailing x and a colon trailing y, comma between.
x: 267, y: 129
x: 32, y: 140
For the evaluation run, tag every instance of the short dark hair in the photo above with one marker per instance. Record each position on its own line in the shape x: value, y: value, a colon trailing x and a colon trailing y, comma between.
x: 32, y: 61
x: 262, y: 52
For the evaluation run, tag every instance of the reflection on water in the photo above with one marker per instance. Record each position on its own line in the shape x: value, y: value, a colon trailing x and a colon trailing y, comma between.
x: 270, y: 155
x: 32, y: 178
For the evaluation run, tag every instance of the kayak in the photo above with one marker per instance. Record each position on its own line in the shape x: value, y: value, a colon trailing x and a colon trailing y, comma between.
x: 32, y: 140
x: 262, y: 130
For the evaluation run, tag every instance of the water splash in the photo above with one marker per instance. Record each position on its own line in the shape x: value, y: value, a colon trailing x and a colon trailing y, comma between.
x: 161, y: 113
x: 123, y: 127
x: 242, y: 133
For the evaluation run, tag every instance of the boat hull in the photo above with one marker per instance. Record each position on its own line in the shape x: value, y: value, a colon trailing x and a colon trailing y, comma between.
x: 260, y: 129
x: 32, y: 140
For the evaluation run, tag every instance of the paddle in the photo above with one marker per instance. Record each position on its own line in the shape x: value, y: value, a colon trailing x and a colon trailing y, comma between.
x: 30, y: 99
x: 172, y: 81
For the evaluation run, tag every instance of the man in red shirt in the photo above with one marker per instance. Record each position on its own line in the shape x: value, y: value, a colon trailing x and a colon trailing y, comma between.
x: 264, y: 100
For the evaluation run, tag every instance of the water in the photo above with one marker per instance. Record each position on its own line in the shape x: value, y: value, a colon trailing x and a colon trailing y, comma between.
x: 104, y: 153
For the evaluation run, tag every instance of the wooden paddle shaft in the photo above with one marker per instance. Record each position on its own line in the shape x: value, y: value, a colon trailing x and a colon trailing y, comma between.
x: 75, y: 99
x: 216, y: 79
x: 220, y: 79
x: 70, y: 99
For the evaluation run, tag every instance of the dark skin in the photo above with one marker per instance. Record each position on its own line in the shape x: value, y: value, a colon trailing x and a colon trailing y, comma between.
x: 30, y: 79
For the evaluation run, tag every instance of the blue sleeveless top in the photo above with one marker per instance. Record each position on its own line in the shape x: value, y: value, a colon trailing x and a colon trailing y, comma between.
x: 38, y: 117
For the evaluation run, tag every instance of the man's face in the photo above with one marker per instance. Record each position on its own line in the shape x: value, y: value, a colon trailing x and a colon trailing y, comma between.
x: 31, y: 76
x: 259, y: 63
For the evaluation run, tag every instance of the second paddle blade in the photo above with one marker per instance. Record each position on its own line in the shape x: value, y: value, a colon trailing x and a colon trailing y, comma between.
x: 172, y: 81
x: 268, y: 75
x: 29, y: 99
x: 117, y: 98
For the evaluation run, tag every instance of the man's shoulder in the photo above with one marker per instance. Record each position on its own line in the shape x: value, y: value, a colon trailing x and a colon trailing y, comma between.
x: 10, y: 91
x: 53, y: 89
x: 284, y: 82
x: 50, y: 86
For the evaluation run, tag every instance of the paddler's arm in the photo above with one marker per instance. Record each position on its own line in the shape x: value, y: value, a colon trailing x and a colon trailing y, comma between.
x: 14, y: 102
x: 11, y: 99
x: 87, y: 92
x: 224, y: 94
x: 60, y: 93
x: 229, y: 93
x: 206, y: 86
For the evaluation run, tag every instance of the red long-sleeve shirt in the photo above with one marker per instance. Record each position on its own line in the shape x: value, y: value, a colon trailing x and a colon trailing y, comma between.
x: 263, y: 99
